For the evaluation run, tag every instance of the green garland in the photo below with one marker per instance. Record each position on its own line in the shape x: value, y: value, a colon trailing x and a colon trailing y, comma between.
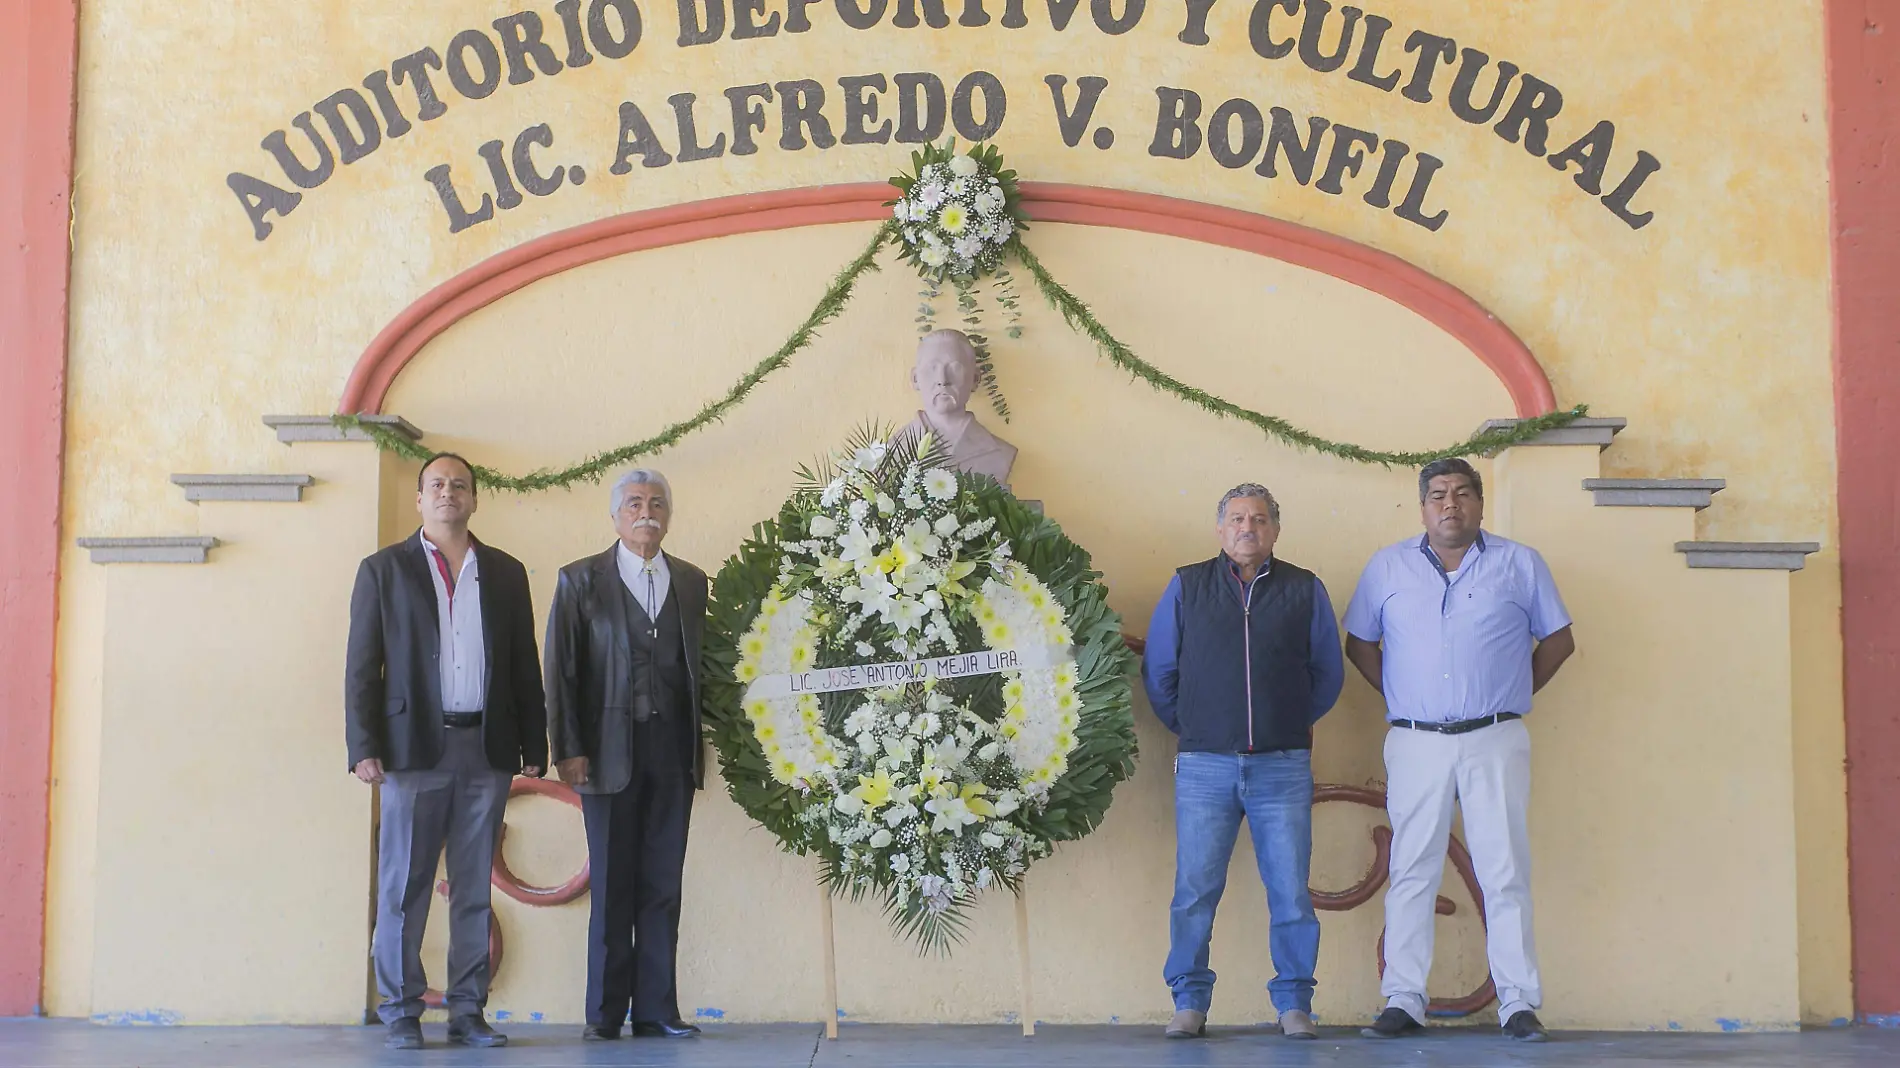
x: 1073, y: 311
x: 837, y: 295
x: 1079, y: 317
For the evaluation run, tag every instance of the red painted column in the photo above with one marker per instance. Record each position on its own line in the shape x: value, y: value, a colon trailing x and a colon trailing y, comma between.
x: 38, y: 42
x: 1864, y: 101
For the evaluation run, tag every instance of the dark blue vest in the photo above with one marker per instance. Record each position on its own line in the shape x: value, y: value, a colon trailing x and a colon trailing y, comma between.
x: 1245, y: 682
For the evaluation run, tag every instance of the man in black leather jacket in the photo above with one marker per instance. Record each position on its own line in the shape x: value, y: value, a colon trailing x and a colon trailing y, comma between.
x: 623, y: 651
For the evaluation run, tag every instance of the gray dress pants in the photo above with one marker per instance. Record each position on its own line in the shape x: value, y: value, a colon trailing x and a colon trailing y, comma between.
x: 457, y: 803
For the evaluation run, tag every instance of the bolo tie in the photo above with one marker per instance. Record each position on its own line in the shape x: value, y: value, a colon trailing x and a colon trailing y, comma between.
x: 653, y: 616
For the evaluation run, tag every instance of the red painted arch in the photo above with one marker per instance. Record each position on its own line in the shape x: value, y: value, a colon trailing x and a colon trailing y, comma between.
x: 1433, y: 298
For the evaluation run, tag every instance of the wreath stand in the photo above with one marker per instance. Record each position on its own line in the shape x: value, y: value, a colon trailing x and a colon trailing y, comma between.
x: 829, y: 926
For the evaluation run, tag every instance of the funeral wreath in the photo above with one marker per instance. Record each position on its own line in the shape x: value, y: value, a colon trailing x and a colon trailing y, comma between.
x: 917, y: 679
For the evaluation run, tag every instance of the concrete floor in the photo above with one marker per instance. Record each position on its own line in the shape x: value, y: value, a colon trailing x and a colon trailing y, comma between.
x: 77, y: 1044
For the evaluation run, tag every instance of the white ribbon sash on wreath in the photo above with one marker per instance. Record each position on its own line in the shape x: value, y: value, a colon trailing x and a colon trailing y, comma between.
x: 899, y: 672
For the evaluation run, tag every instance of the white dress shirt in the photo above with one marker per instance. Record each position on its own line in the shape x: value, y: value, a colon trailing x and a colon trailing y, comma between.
x: 648, y: 581
x: 464, y: 656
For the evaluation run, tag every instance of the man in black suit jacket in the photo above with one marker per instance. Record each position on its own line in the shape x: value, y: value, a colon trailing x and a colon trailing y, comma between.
x: 623, y: 701
x: 442, y: 706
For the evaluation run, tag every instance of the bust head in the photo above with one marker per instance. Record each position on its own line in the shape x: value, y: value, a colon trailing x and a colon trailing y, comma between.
x: 945, y: 374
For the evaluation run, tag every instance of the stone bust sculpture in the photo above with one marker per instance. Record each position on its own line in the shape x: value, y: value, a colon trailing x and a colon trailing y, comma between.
x: 944, y: 378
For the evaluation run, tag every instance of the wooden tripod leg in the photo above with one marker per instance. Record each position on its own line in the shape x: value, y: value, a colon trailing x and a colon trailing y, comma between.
x: 831, y: 967
x: 1022, y: 956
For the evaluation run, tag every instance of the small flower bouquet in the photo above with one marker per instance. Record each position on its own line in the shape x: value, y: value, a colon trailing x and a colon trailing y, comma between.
x: 959, y: 212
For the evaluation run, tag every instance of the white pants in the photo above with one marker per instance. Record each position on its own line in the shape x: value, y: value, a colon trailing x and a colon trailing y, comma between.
x: 1488, y: 772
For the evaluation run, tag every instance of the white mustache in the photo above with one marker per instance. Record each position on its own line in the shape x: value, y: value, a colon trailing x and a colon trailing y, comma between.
x: 638, y: 523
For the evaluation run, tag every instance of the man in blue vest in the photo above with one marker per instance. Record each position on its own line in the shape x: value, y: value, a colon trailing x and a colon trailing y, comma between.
x: 1243, y: 658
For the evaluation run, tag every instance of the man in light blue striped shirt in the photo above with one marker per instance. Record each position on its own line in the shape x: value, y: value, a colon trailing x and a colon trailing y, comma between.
x: 1457, y: 629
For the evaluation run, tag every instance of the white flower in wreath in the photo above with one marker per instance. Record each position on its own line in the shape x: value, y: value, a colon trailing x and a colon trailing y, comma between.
x: 880, y: 838
x: 856, y: 546
x: 905, y: 614
x: 918, y: 541
x: 953, y: 218
x: 871, y: 455
x: 988, y: 202
x: 823, y: 526
x: 860, y: 509
x: 1004, y: 228
x: 934, y: 256
x: 931, y: 195
x: 964, y: 165
x: 902, y: 211
x: 968, y: 246
x: 880, y: 600
x: 949, y: 753
x: 862, y: 718
x: 958, y: 187
x: 952, y: 814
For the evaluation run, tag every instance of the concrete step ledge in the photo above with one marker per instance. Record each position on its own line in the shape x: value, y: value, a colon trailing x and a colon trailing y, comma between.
x: 243, y: 487
x: 148, y: 550
x: 295, y: 428
x: 1654, y: 492
x: 1586, y: 431
x: 1749, y: 555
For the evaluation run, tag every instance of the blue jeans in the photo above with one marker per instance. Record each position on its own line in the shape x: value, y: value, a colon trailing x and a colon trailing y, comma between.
x: 1212, y: 791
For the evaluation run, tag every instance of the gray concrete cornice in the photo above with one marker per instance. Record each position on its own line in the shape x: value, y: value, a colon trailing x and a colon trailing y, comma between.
x: 243, y: 487
x: 294, y: 428
x: 1749, y: 555
x: 1654, y: 492
x: 148, y: 550
x: 1586, y: 431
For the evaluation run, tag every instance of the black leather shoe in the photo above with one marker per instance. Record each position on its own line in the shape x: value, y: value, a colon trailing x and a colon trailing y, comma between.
x: 1525, y: 1027
x: 472, y: 1030
x: 663, y: 1029
x: 405, y: 1033
x: 1393, y: 1023
x: 599, y: 1033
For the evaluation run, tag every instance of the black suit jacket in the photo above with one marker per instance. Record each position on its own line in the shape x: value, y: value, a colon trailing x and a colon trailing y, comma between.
x: 590, y: 667
x: 392, y: 691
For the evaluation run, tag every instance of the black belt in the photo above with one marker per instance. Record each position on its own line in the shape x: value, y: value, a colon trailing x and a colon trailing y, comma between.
x: 461, y: 719
x: 1457, y: 726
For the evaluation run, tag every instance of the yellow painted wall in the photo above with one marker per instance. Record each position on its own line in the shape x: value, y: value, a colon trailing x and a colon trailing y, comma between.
x: 1708, y: 329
